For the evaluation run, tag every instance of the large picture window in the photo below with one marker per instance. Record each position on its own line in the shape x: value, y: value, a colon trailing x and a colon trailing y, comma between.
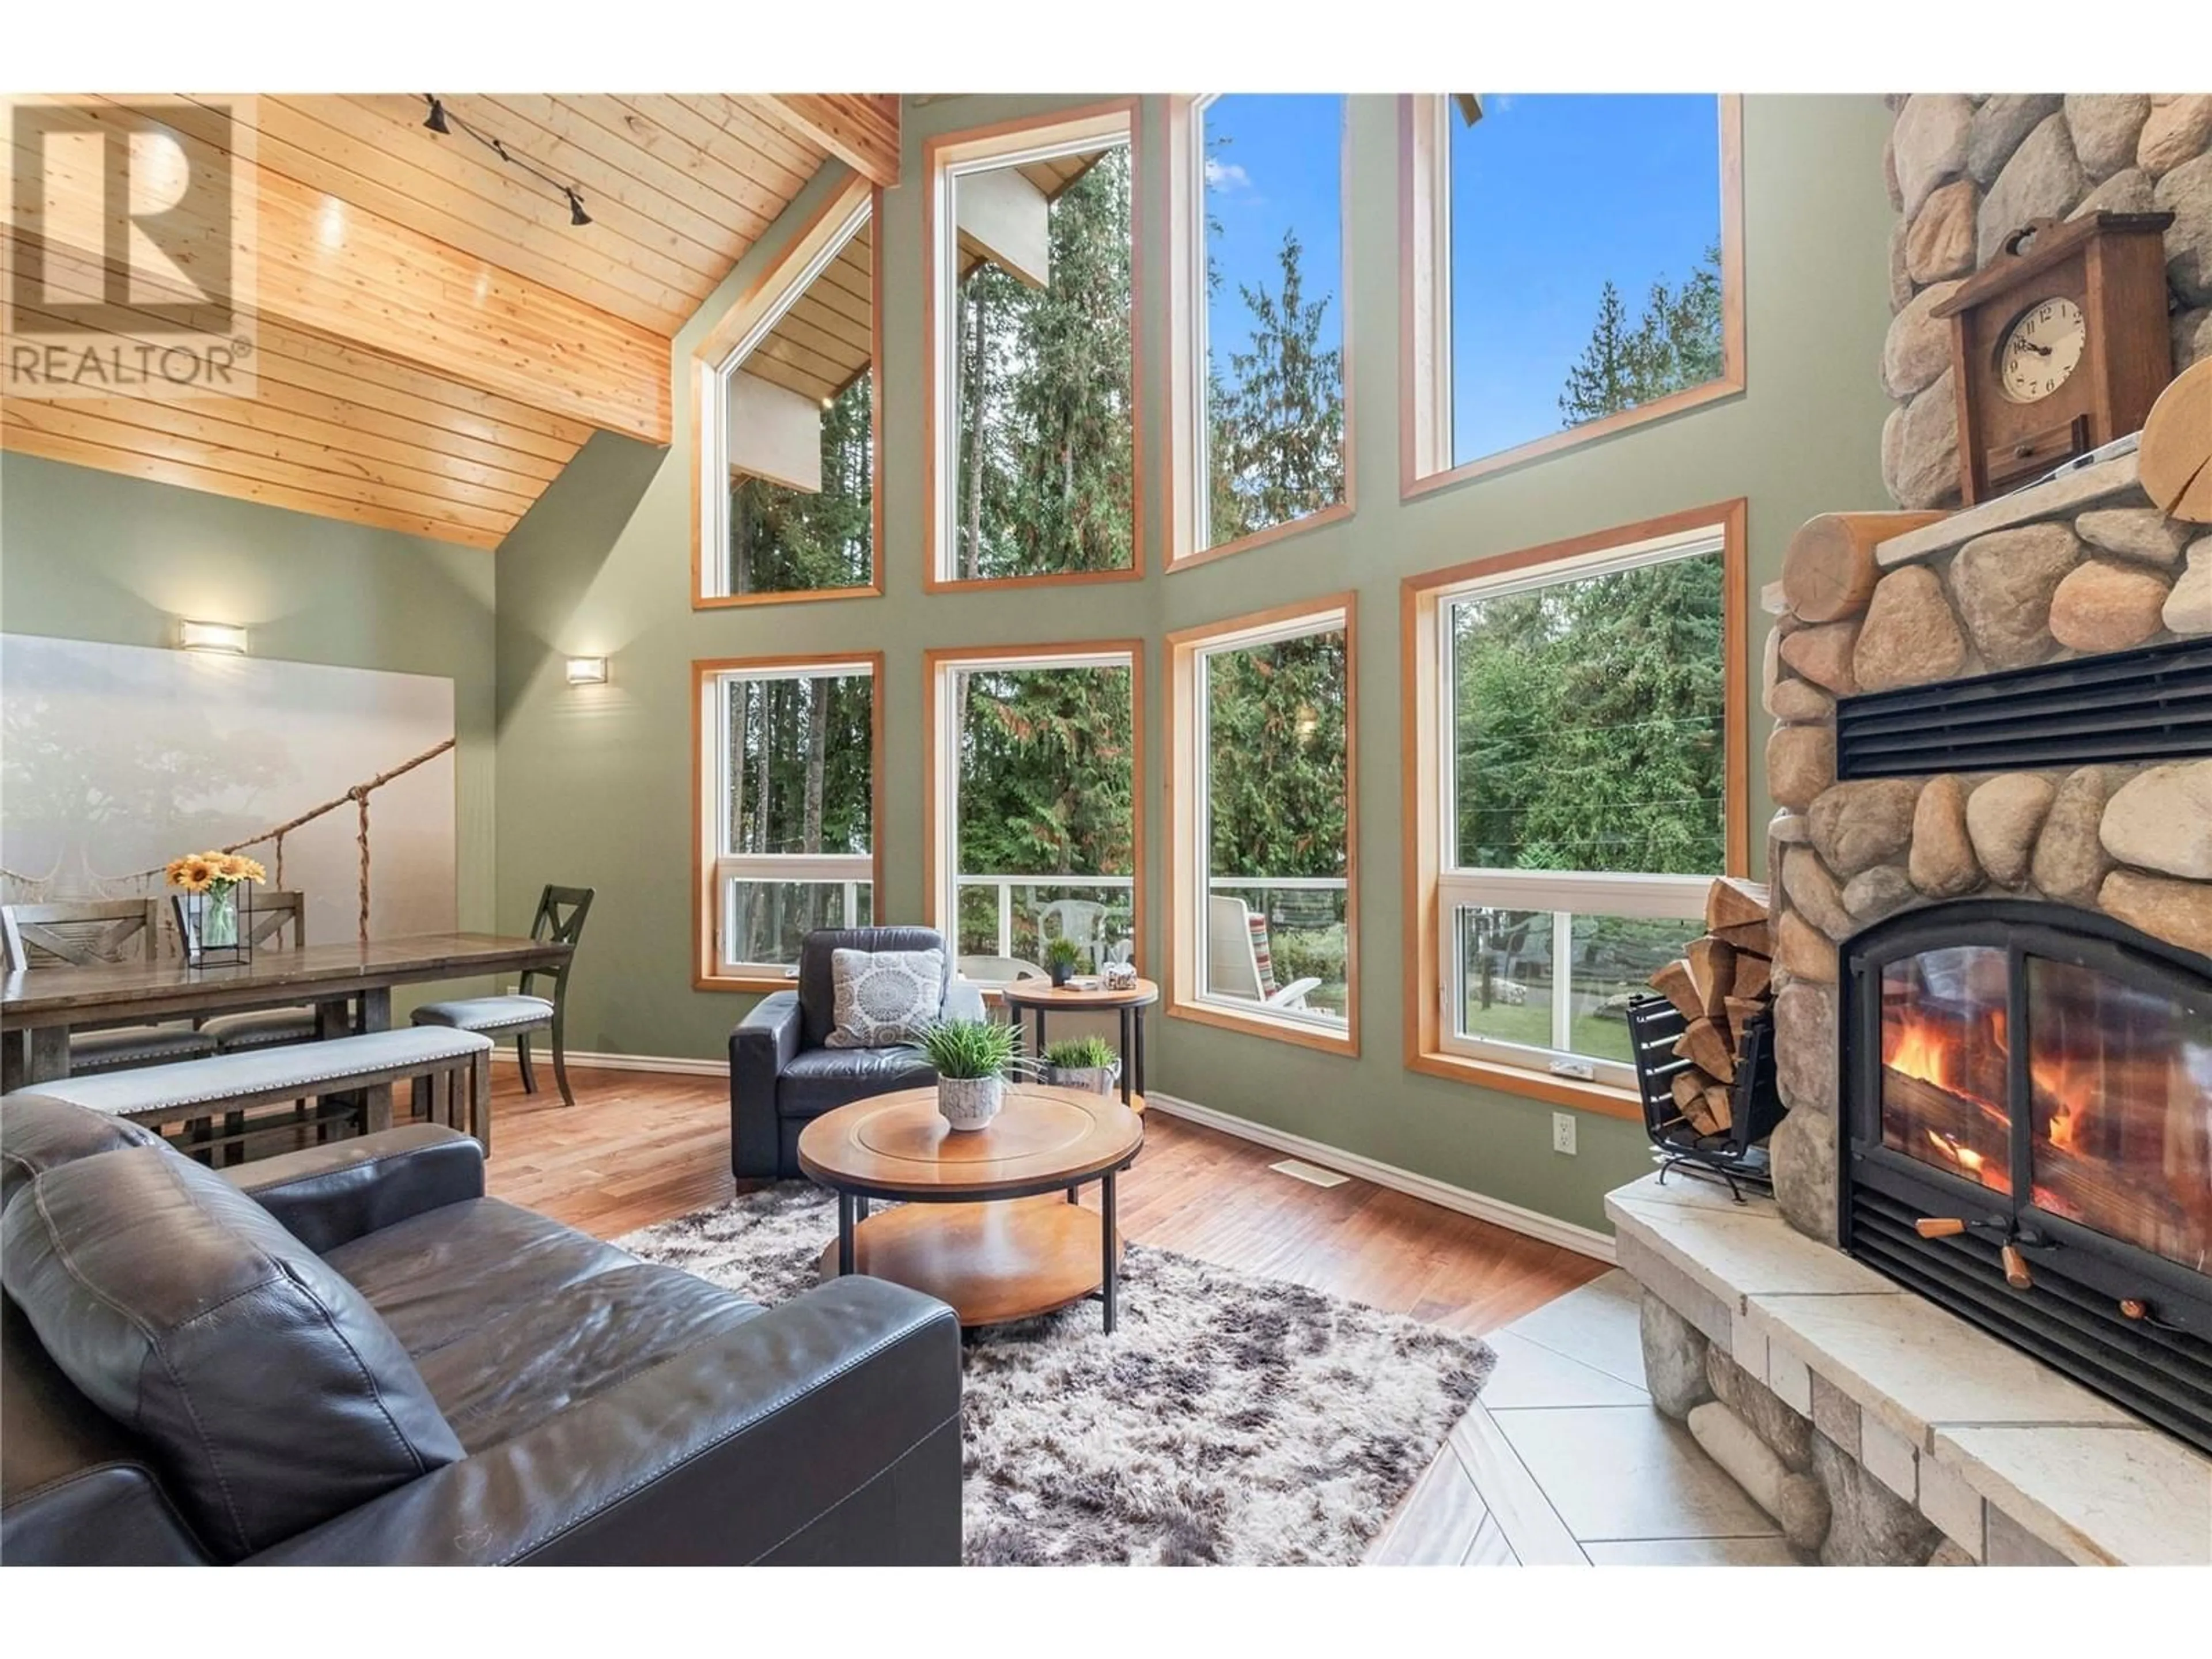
x: 1036, y: 770
x: 786, y: 425
x: 1259, y: 431
x: 1578, y: 763
x: 1530, y: 327
x: 1265, y: 914
x: 787, y: 781
x: 1032, y: 326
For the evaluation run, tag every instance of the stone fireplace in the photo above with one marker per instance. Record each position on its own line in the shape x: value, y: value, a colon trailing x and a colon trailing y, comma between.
x: 1975, y: 1322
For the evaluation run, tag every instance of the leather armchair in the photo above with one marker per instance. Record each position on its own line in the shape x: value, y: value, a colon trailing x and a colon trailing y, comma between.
x: 781, y: 1075
x: 565, y: 1403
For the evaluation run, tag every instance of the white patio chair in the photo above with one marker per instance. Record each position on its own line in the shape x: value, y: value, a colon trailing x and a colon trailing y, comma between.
x: 1080, y: 921
x: 1234, y: 964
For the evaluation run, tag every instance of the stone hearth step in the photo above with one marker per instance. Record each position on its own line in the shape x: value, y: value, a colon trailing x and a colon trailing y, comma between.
x: 2012, y: 1461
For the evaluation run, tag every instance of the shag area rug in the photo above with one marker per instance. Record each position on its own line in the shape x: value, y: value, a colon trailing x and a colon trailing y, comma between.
x: 1229, y: 1419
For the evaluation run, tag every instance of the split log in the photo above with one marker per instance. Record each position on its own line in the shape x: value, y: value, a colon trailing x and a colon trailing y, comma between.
x: 1674, y: 982
x: 1741, y: 1010
x: 1688, y: 1088
x: 2175, y: 460
x: 1828, y: 570
x: 1718, y: 1110
x: 1705, y: 1045
x: 1753, y: 938
x: 1712, y: 971
x: 1754, y: 975
x: 1732, y: 901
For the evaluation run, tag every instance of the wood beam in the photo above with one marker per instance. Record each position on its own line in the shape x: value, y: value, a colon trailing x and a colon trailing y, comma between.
x: 338, y: 269
x: 860, y: 129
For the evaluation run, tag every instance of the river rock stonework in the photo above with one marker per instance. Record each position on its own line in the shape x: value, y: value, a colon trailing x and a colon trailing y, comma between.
x: 1966, y: 170
x: 2028, y: 579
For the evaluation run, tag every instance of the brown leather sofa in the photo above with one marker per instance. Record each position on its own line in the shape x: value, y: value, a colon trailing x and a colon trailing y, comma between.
x: 781, y: 1075
x: 350, y: 1355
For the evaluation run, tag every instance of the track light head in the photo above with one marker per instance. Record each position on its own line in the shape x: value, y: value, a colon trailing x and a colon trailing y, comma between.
x: 577, y: 213
x: 436, y: 120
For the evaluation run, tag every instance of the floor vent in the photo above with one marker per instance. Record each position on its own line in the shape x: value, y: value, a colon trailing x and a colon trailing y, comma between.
x: 1312, y: 1173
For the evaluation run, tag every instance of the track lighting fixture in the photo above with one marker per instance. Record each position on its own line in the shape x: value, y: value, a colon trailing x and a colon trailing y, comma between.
x: 443, y: 120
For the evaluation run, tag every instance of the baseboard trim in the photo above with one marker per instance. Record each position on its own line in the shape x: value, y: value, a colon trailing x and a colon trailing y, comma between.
x: 504, y: 1056
x: 1583, y: 1241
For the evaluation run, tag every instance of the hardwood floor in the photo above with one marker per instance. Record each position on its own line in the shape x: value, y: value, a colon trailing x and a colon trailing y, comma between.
x: 640, y: 1147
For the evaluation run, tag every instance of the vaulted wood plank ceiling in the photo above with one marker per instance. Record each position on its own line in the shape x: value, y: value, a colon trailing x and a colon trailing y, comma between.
x: 436, y: 339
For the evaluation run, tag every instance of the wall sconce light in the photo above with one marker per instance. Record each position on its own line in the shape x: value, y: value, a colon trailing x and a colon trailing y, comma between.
x: 211, y: 636
x: 587, y: 670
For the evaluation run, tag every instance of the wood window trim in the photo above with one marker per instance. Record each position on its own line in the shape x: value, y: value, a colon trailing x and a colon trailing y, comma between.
x: 939, y: 788
x: 768, y: 294
x: 1185, y: 787
x: 1112, y: 118
x: 1425, y: 309
x: 1186, y: 242
x: 705, y: 672
x: 1419, y: 716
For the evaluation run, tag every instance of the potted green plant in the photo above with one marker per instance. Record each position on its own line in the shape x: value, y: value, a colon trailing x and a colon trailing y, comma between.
x: 1085, y: 1062
x: 973, y: 1059
x: 1062, y: 957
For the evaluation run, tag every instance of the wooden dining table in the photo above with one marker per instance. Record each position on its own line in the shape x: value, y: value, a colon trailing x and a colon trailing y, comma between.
x: 349, y: 985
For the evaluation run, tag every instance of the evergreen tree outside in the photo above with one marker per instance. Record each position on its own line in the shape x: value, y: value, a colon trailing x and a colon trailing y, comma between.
x: 1675, y: 344
x: 787, y: 541
x: 801, y: 780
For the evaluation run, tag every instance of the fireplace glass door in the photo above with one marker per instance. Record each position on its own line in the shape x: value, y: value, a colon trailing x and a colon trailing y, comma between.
x: 2117, y: 1088
x: 1945, y: 1060
x: 2121, y: 1122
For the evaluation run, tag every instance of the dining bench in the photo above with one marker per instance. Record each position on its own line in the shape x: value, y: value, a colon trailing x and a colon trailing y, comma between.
x: 448, y: 1073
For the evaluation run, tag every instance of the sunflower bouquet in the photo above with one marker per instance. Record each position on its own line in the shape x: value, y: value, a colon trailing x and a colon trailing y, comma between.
x: 209, y: 885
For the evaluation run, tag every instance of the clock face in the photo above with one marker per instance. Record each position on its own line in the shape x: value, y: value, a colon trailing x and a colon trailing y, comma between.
x: 2041, y: 350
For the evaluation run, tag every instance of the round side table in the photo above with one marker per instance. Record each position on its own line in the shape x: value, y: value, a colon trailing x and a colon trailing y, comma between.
x: 1042, y: 998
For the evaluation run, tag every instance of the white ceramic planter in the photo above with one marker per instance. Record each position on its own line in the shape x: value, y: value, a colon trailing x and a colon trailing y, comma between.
x: 971, y: 1103
x: 1097, y: 1080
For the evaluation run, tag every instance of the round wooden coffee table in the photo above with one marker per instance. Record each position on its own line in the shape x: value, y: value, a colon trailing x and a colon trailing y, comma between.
x: 978, y: 1227
x: 1041, y: 997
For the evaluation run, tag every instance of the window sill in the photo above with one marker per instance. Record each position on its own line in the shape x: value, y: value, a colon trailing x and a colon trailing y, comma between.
x: 1413, y: 486
x: 751, y: 984
x: 1327, y: 515
x: 1261, y: 1025
x: 801, y: 596
x: 1049, y: 578
x: 1601, y: 1097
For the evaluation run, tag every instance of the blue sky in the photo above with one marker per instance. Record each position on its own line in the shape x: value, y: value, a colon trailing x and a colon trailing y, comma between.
x: 1282, y: 166
x: 1576, y: 188
x: 1551, y: 194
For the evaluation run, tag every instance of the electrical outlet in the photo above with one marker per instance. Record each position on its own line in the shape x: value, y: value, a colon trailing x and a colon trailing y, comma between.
x: 1563, y: 1132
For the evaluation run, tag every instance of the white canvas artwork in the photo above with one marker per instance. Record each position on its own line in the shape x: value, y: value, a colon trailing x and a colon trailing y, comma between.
x: 115, y: 759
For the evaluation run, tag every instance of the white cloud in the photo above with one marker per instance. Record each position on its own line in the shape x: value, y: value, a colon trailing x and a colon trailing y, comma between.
x: 1225, y: 176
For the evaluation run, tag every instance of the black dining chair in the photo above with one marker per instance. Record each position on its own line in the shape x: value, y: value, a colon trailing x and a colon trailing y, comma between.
x: 560, y: 920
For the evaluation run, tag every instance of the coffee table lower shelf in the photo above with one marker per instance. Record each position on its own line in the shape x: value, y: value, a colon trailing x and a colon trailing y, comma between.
x: 993, y: 1262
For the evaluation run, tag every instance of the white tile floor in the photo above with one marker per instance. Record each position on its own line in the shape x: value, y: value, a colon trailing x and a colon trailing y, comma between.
x: 1565, y: 1459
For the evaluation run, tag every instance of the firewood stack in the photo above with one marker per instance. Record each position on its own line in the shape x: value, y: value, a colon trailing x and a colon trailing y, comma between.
x: 1720, y: 986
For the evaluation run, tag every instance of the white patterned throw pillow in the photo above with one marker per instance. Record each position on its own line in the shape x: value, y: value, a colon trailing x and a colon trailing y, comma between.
x: 883, y: 997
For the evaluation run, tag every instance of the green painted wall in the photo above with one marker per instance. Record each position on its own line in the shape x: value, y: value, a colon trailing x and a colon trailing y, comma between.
x: 595, y: 784
x: 94, y: 555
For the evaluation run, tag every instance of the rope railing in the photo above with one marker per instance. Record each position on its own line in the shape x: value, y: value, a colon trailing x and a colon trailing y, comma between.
x: 359, y: 795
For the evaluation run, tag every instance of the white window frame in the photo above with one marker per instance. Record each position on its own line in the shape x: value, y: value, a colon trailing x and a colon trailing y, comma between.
x: 947, y: 160
x: 1195, y: 742
x: 724, y: 353
x: 1563, y: 894
x: 1190, y: 481
x: 945, y: 877
x: 853, y: 870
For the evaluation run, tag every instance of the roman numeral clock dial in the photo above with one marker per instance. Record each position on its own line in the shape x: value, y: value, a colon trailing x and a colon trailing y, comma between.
x: 2041, y: 350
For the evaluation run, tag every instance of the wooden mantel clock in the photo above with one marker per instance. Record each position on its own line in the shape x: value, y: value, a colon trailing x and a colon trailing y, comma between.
x: 2060, y: 345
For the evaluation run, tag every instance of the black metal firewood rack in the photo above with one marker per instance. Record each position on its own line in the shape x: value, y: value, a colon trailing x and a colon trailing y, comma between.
x: 1737, y: 1154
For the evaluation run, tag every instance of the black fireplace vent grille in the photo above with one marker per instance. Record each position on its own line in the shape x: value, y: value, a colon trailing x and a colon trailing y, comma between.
x: 2151, y: 704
